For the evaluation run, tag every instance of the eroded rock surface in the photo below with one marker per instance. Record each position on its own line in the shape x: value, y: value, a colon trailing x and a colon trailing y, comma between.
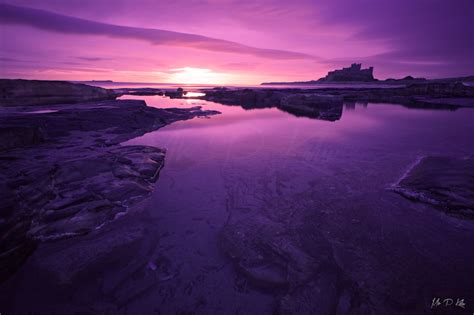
x: 325, y: 103
x: 447, y: 183
x: 35, y: 92
x: 324, y: 107
x: 64, y: 172
x: 296, y: 102
x: 97, y: 273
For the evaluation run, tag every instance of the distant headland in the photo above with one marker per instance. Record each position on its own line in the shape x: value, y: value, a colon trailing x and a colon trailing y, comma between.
x: 355, y: 74
x: 352, y: 73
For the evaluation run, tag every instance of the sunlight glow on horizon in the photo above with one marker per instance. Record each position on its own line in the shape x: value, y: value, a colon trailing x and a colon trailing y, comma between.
x: 189, y: 75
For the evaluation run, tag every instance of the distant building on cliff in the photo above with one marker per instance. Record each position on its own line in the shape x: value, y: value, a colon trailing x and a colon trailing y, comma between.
x: 353, y: 73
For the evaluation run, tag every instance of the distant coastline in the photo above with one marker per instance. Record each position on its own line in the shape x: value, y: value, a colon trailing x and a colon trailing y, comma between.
x: 356, y: 75
x: 377, y: 82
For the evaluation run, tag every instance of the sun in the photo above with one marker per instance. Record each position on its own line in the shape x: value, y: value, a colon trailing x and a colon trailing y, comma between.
x: 189, y: 75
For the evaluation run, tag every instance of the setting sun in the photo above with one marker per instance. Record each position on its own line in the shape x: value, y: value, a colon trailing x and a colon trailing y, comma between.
x: 189, y: 75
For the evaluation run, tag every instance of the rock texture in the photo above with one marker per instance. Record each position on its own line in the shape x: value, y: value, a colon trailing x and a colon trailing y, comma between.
x: 444, y: 182
x: 345, y: 76
x: 324, y: 107
x: 296, y: 102
x: 432, y: 95
x: 33, y: 92
x: 63, y: 172
x: 97, y: 273
x: 326, y: 103
x: 277, y: 245
x: 294, y: 262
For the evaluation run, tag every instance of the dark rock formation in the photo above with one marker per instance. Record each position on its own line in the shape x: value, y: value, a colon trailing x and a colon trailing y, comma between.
x: 444, y: 182
x: 432, y: 95
x: 33, y: 92
x: 138, y: 91
x: 377, y: 83
x: 350, y: 74
x: 325, y: 103
x: 247, y: 98
x: 64, y: 173
x: 406, y: 80
x: 180, y: 92
x: 117, y: 256
x: 324, y: 107
x: 19, y: 136
x: 295, y: 102
x: 294, y: 262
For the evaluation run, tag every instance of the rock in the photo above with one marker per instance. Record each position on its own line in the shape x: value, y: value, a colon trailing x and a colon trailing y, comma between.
x: 64, y: 173
x: 415, y: 95
x: 294, y: 262
x: 296, y: 102
x: 325, y: 107
x: 452, y: 89
x: 176, y: 94
x: 247, y: 98
x: 20, y: 136
x: 433, y: 95
x: 316, y: 297
x: 444, y: 182
x: 138, y: 91
x: 34, y: 92
x: 272, y: 256
x: 67, y: 262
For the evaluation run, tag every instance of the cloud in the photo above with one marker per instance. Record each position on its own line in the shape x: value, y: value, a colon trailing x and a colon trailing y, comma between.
x: 92, y: 58
x: 48, y: 21
x: 433, y: 35
x: 239, y: 65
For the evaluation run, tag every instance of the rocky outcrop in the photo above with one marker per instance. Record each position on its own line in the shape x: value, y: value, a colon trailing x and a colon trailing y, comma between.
x: 64, y: 173
x: 33, y: 92
x: 326, y: 103
x: 452, y: 94
x: 138, y: 91
x: 296, y: 102
x: 247, y: 98
x: 324, y: 107
x: 354, y: 73
x: 19, y: 136
x: 294, y: 262
x: 444, y: 182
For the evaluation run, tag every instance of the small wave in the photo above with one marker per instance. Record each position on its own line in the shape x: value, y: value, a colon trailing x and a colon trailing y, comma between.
x: 415, y: 195
x: 396, y: 185
x: 55, y: 237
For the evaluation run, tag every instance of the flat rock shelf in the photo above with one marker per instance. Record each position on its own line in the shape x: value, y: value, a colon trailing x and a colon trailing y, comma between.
x: 64, y: 172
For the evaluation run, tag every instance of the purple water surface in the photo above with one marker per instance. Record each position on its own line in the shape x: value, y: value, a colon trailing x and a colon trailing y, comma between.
x: 266, y: 165
x: 244, y: 163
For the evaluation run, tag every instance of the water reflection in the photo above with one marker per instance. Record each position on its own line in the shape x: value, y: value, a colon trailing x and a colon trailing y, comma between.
x: 279, y: 128
x: 245, y: 167
x: 193, y: 94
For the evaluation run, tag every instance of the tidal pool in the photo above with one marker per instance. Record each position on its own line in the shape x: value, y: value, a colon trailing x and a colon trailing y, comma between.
x: 259, y: 211
x: 255, y: 168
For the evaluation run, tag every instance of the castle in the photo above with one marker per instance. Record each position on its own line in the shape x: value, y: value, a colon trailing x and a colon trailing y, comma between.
x: 353, y: 73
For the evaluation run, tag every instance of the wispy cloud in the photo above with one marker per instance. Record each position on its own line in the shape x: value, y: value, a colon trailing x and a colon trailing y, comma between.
x: 48, y: 21
x: 92, y: 58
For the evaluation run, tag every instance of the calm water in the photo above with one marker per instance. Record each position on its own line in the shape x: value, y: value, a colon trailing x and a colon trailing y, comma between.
x: 245, y: 167
x: 195, y: 87
x: 246, y: 164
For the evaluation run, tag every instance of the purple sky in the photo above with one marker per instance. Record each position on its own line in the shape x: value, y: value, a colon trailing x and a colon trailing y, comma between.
x: 222, y: 41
